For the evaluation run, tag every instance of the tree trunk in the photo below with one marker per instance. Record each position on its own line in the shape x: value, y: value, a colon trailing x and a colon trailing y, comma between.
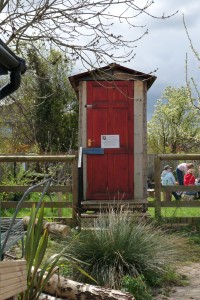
x: 52, y: 227
x: 64, y: 288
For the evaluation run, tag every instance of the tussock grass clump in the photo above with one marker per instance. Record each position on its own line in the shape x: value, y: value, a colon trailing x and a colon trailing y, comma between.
x: 118, y: 245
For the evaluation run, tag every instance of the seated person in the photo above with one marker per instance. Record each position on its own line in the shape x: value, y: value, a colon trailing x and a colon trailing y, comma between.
x: 189, y: 179
x: 167, y: 178
x: 181, y: 170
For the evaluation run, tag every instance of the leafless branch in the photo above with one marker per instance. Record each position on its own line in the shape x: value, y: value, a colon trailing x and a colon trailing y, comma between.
x: 92, y: 31
x: 195, y: 101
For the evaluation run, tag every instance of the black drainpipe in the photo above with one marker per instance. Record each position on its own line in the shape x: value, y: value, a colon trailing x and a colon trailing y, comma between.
x: 9, y: 62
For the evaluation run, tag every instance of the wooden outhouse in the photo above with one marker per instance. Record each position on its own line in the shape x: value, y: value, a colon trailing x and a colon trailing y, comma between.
x: 113, y: 133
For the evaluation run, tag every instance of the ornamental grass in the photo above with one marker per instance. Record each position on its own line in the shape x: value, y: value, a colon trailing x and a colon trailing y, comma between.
x: 118, y: 245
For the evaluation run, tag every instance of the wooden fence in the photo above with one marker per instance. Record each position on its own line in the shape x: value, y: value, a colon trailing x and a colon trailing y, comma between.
x: 158, y: 204
x: 71, y: 188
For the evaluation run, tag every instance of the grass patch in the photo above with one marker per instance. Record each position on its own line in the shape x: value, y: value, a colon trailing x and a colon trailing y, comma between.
x: 170, y: 212
x: 48, y: 212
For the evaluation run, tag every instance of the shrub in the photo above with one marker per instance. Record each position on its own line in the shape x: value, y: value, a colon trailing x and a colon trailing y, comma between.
x: 118, y: 246
x: 137, y: 287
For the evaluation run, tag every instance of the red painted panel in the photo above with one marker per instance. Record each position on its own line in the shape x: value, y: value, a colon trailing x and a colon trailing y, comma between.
x: 110, y: 176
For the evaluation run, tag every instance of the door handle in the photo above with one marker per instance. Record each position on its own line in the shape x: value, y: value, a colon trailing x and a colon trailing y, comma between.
x: 90, y: 141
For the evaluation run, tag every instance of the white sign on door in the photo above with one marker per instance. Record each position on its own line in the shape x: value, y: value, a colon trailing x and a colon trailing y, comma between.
x: 110, y: 141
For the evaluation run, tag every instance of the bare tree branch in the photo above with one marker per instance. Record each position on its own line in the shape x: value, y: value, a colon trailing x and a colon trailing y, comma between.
x: 92, y: 31
x: 194, y: 100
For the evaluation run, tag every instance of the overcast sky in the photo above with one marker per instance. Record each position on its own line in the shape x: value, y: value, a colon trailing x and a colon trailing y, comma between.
x: 166, y: 45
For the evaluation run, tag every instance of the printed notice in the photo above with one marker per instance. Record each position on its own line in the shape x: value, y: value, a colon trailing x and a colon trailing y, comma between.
x: 110, y: 141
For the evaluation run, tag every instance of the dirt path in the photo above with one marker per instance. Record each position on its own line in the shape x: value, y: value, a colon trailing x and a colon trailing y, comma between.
x: 191, y: 291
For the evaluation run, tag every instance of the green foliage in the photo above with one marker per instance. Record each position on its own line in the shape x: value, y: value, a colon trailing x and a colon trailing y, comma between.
x: 55, y: 111
x: 14, y: 174
x: 174, y: 127
x: 5, y: 133
x: 43, y: 113
x: 118, y: 246
x: 170, y: 278
x: 137, y: 287
x: 192, y: 232
x: 35, y: 248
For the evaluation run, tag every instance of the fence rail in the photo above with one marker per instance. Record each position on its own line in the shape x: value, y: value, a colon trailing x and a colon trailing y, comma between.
x: 36, y: 158
x: 59, y: 189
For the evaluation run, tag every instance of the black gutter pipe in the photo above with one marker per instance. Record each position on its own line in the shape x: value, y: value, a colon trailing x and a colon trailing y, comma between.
x: 9, y: 62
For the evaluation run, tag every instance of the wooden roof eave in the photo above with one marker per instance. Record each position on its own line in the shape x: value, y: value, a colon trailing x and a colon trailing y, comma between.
x: 111, y: 72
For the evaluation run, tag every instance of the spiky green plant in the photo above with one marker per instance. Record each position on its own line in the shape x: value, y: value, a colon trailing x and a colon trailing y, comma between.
x: 117, y: 246
x: 39, y: 268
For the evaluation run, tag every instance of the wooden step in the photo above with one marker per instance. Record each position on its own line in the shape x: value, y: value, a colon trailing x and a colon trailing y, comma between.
x: 96, y: 215
x: 86, y: 220
x: 105, y: 204
x: 108, y: 201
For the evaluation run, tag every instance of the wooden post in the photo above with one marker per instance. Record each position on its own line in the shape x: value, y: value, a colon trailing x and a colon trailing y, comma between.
x: 157, y: 168
x: 167, y: 196
x: 75, y: 190
x: 59, y: 194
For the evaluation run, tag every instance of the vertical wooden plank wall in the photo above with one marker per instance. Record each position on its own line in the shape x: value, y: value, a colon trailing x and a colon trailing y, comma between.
x: 139, y: 142
x: 145, y: 140
x: 83, y: 128
x: 84, y: 135
x: 82, y: 113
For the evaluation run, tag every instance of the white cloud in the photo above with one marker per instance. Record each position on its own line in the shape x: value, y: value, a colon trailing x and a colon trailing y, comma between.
x: 166, y: 44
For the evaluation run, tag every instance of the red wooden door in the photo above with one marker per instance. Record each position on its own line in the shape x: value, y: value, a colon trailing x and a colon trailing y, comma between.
x: 110, y: 112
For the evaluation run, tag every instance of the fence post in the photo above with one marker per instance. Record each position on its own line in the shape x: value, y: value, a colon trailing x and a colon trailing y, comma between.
x: 75, y: 189
x: 157, y: 170
x: 60, y: 199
